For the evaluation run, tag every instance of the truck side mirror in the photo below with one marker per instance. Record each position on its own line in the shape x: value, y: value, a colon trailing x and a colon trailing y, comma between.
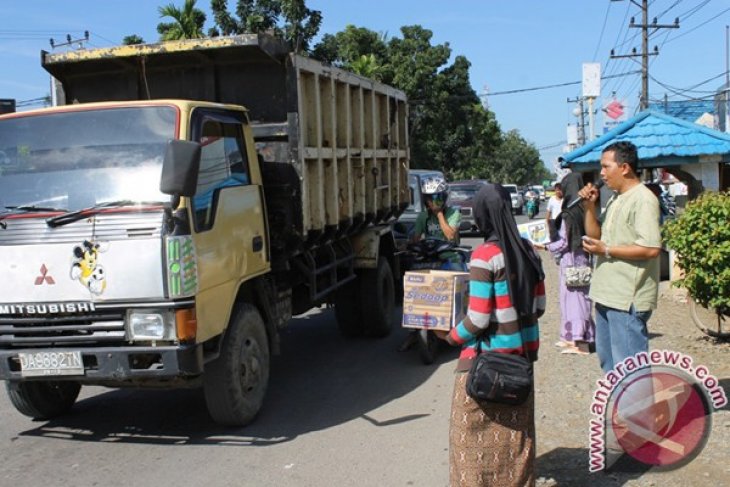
x: 180, y: 168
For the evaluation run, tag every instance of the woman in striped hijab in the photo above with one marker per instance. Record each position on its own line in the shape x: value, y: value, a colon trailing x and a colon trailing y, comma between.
x: 490, y: 443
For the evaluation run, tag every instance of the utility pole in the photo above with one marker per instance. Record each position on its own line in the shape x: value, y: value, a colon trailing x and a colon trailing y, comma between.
x: 581, y: 117
x: 70, y: 41
x: 644, y: 26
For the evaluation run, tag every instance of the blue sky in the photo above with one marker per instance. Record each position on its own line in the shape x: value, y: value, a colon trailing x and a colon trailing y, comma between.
x: 512, y: 45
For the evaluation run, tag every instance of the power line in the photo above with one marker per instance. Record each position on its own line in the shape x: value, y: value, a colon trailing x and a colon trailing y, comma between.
x: 698, y: 26
x: 603, y: 29
x: 546, y: 87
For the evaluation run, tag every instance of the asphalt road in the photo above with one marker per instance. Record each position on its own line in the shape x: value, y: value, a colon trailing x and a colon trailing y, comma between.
x: 338, y: 412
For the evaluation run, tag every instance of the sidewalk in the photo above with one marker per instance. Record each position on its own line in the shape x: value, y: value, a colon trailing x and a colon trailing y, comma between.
x: 565, y: 385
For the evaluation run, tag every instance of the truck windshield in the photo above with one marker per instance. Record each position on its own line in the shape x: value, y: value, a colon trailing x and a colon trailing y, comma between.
x: 77, y: 159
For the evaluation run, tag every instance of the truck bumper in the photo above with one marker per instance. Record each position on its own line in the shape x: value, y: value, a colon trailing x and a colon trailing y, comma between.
x: 118, y: 364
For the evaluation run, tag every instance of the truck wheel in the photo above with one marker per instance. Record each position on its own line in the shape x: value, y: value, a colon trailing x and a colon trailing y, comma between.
x: 235, y: 383
x: 377, y: 299
x: 347, y: 310
x: 43, y: 399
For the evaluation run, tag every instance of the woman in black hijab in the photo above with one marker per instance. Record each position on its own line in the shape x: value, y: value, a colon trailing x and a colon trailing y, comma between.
x: 506, y: 297
x: 577, y: 329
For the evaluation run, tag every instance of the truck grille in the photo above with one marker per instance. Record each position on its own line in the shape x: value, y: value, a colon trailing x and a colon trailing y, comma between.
x: 89, y: 329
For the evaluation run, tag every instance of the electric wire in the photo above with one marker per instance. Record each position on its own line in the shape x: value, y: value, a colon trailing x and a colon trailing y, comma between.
x: 715, y: 17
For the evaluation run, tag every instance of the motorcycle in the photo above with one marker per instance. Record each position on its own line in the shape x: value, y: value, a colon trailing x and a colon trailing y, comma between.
x: 531, y: 207
x: 434, y: 254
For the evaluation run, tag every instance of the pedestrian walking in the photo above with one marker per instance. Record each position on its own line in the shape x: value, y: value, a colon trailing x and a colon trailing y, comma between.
x: 626, y: 241
x: 491, y: 443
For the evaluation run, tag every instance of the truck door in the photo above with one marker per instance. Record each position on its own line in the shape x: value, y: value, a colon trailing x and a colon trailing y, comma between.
x: 227, y: 215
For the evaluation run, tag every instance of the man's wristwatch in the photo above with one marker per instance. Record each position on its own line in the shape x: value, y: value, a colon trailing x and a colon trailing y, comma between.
x: 607, y: 253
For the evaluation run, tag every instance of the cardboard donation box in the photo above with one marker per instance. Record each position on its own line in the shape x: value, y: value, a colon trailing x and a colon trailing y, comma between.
x: 434, y: 299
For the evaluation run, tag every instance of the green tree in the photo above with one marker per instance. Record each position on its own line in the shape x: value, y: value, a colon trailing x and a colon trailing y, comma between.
x: 253, y: 16
x: 188, y: 22
x: 347, y: 47
x: 514, y: 161
x: 132, y: 39
x: 290, y: 19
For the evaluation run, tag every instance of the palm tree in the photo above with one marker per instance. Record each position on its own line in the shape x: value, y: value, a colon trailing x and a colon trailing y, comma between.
x: 188, y: 22
x: 366, y: 65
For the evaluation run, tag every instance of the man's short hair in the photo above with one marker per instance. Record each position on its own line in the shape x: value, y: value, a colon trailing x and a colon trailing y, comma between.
x: 557, y: 186
x: 624, y: 152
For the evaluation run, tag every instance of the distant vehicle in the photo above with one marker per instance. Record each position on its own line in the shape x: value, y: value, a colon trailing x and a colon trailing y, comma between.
x: 517, y: 201
x: 461, y: 194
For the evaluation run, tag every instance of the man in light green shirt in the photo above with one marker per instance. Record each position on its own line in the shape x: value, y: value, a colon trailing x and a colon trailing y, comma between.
x: 626, y: 239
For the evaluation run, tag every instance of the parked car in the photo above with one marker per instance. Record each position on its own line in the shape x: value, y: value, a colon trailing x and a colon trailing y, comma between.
x: 517, y: 201
x: 461, y: 194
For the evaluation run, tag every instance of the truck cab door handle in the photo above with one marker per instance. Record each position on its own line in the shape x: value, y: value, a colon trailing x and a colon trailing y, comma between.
x: 257, y: 243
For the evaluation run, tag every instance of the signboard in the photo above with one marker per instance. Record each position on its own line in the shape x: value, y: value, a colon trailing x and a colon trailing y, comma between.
x: 615, y: 112
x: 591, y: 80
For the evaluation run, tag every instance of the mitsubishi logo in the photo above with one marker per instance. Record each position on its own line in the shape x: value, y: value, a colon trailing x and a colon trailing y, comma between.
x: 44, y: 277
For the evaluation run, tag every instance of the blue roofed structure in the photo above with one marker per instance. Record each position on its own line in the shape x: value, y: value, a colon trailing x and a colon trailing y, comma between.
x: 688, y: 110
x: 661, y: 140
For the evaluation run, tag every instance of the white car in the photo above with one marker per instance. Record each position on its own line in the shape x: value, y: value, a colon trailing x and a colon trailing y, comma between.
x: 517, y: 201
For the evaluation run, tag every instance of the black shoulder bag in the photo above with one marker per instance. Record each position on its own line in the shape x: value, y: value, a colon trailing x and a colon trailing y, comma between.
x: 500, y: 377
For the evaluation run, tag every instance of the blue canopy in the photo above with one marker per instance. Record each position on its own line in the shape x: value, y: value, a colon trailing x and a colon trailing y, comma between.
x: 661, y: 140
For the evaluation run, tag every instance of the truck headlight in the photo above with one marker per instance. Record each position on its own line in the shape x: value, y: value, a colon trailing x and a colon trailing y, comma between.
x: 150, y: 325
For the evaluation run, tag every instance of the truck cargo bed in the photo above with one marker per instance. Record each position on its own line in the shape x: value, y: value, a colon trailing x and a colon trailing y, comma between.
x: 335, y: 144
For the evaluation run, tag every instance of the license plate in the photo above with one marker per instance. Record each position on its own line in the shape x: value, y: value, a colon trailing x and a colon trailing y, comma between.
x: 51, y: 363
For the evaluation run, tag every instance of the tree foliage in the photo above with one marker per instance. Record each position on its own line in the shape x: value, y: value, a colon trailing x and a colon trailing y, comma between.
x: 289, y: 19
x: 515, y: 161
x: 701, y: 238
x: 132, y: 39
x: 187, y: 22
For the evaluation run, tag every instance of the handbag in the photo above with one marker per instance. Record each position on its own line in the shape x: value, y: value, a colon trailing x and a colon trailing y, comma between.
x: 579, y: 275
x: 500, y: 377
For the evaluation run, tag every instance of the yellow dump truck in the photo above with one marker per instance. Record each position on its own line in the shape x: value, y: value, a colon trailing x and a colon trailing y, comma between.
x: 178, y: 205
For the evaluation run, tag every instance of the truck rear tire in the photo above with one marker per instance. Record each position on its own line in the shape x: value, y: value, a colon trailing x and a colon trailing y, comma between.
x: 43, y: 399
x: 377, y: 299
x: 347, y: 310
x: 235, y: 383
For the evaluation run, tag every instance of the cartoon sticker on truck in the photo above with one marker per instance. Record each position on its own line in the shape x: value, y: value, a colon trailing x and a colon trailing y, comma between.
x: 86, y: 268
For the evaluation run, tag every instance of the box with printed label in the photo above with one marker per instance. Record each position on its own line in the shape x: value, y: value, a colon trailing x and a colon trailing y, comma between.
x: 434, y: 299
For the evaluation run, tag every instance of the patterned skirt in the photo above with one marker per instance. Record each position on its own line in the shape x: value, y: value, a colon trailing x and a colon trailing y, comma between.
x: 490, y: 444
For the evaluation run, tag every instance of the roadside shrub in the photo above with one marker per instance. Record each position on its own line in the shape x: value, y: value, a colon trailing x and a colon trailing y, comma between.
x: 701, y: 239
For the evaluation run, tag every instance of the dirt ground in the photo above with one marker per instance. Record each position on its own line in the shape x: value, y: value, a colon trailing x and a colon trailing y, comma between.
x: 566, y: 384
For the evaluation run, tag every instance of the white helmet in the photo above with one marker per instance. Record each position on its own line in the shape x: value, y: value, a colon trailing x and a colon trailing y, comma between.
x: 433, y: 185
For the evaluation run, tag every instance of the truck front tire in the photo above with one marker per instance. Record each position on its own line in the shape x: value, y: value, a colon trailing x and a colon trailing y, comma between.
x: 235, y: 383
x: 43, y: 399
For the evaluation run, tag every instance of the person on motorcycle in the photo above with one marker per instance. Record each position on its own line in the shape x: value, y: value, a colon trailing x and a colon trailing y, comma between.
x: 437, y: 222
